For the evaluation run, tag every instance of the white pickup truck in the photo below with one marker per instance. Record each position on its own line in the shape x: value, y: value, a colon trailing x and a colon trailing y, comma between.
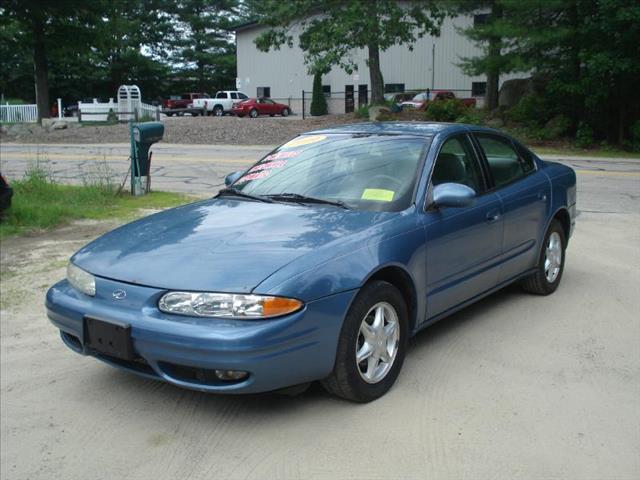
x: 221, y: 102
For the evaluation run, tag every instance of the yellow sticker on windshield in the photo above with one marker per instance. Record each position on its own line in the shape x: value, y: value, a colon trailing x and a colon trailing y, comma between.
x: 378, y: 194
x: 304, y: 140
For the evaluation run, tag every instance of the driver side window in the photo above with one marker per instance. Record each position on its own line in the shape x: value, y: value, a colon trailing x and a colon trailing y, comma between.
x: 456, y: 163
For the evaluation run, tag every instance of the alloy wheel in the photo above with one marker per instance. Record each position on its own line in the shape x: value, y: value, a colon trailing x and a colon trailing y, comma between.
x: 377, y: 342
x: 553, y: 257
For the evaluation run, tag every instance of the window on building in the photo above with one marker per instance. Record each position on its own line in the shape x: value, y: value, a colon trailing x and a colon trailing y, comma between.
x: 326, y: 89
x: 264, y: 91
x: 480, y: 19
x: 394, y: 87
x: 478, y: 89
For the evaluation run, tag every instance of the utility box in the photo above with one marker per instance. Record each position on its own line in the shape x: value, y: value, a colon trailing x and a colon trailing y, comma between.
x: 143, y: 135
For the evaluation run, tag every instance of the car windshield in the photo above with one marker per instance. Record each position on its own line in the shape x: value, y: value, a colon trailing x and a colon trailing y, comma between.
x: 368, y: 172
x: 420, y: 97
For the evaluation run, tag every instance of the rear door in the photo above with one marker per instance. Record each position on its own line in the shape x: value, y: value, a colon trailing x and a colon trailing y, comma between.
x: 464, y: 244
x: 525, y: 193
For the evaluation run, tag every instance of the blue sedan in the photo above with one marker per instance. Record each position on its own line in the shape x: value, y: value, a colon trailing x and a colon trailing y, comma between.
x: 321, y: 260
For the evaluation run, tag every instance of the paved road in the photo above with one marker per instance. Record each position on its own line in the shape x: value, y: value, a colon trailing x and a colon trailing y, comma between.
x: 514, y: 387
x: 612, y: 184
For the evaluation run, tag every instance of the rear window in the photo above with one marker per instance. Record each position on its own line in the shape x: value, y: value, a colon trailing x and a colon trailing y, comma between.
x: 221, y: 95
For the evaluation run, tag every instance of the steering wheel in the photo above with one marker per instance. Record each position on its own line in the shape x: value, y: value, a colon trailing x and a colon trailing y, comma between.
x: 387, y: 179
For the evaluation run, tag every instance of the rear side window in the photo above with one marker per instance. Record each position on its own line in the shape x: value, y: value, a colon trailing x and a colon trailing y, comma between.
x: 504, y: 162
x: 234, y: 95
x: 456, y: 163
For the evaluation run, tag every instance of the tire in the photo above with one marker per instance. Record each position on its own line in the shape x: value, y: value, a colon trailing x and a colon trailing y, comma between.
x: 285, y: 112
x: 253, y: 113
x: 272, y: 114
x: 347, y: 380
x: 545, y: 281
x: 169, y: 114
x: 218, y: 111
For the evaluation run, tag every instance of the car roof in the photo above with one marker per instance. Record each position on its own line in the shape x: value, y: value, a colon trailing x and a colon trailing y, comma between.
x: 423, y: 129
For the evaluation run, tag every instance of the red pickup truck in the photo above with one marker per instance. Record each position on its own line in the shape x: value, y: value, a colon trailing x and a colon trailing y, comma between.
x: 178, y: 102
x: 421, y: 100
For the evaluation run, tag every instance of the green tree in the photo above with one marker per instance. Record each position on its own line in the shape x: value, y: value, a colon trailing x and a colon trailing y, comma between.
x: 318, y: 102
x: 201, y: 41
x: 489, y: 34
x: 331, y: 29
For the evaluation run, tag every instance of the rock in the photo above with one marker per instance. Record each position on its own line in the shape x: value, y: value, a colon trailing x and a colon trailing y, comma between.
x: 495, y: 123
x: 513, y: 90
x: 59, y: 126
x: 3, y: 130
x: 376, y: 111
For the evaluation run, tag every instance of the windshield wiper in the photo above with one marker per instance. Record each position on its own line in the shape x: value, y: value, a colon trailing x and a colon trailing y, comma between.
x: 237, y: 193
x: 296, y: 197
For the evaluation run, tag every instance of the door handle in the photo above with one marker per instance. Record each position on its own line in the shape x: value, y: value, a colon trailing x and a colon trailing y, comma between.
x: 493, y: 217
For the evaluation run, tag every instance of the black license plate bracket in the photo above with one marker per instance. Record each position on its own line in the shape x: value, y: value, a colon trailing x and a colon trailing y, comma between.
x: 109, y: 337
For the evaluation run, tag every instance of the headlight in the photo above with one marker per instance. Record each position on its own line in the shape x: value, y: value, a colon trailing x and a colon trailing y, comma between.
x: 81, y: 280
x: 199, y: 304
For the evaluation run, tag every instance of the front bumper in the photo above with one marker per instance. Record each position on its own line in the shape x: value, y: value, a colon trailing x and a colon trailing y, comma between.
x: 277, y: 353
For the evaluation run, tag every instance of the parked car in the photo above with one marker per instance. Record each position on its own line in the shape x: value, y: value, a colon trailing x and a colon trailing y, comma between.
x: 6, y: 194
x: 399, y: 97
x: 321, y: 260
x: 421, y: 100
x: 185, y: 100
x: 222, y: 102
x: 71, y: 110
x: 260, y: 106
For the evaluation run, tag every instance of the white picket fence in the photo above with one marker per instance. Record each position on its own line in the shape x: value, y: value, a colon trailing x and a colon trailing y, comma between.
x: 18, y: 113
x: 99, y: 112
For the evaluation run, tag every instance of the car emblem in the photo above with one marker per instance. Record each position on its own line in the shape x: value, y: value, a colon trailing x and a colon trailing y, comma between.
x: 119, y: 294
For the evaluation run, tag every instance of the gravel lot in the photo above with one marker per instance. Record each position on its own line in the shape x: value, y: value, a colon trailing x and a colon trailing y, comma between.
x: 185, y: 130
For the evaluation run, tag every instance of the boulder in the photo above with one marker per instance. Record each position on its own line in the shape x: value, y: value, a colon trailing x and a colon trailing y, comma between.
x: 513, y: 90
x: 376, y: 111
x: 59, y: 126
x: 495, y: 123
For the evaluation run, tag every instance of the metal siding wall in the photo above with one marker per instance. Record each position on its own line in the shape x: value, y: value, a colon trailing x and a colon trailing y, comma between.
x: 284, y: 70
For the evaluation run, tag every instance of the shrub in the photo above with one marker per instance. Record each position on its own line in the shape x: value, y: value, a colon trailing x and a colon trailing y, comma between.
x: 635, y: 136
x: 584, y: 136
x: 472, y: 116
x: 362, y: 112
x: 318, y: 102
x: 532, y: 110
x: 445, y: 110
x: 556, y: 128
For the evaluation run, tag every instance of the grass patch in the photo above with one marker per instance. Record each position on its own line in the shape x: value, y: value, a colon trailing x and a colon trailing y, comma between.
x: 39, y: 203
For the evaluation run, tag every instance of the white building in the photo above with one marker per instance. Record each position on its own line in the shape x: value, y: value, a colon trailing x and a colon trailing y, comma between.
x: 433, y: 63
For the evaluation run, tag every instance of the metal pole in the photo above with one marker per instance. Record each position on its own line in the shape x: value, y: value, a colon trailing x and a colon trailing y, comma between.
x: 59, y: 109
x: 433, y: 66
x: 303, y: 104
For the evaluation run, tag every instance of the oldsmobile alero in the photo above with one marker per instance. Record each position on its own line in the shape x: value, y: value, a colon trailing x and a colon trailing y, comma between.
x: 321, y: 260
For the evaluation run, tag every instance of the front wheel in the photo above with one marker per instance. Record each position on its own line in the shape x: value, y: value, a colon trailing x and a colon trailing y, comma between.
x: 253, y: 113
x: 372, y: 344
x: 550, y: 265
x: 285, y: 112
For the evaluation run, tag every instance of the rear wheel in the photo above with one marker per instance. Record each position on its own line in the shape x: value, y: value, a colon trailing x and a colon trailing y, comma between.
x: 218, y: 111
x: 253, y: 113
x: 550, y: 263
x: 372, y: 344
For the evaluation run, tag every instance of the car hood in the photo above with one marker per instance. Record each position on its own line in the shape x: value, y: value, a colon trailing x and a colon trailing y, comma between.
x: 224, y: 245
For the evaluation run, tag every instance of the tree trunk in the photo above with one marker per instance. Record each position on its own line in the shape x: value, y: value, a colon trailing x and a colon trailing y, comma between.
x: 40, y: 68
x: 493, y: 73
x: 377, y: 82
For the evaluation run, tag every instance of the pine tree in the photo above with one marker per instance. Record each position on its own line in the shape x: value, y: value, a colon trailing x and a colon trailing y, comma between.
x: 318, y: 102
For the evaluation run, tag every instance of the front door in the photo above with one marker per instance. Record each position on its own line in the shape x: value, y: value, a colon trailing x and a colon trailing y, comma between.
x: 463, y: 243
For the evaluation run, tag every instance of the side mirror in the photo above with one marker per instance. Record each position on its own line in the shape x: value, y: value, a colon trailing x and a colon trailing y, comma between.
x: 232, y: 177
x: 453, y: 195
